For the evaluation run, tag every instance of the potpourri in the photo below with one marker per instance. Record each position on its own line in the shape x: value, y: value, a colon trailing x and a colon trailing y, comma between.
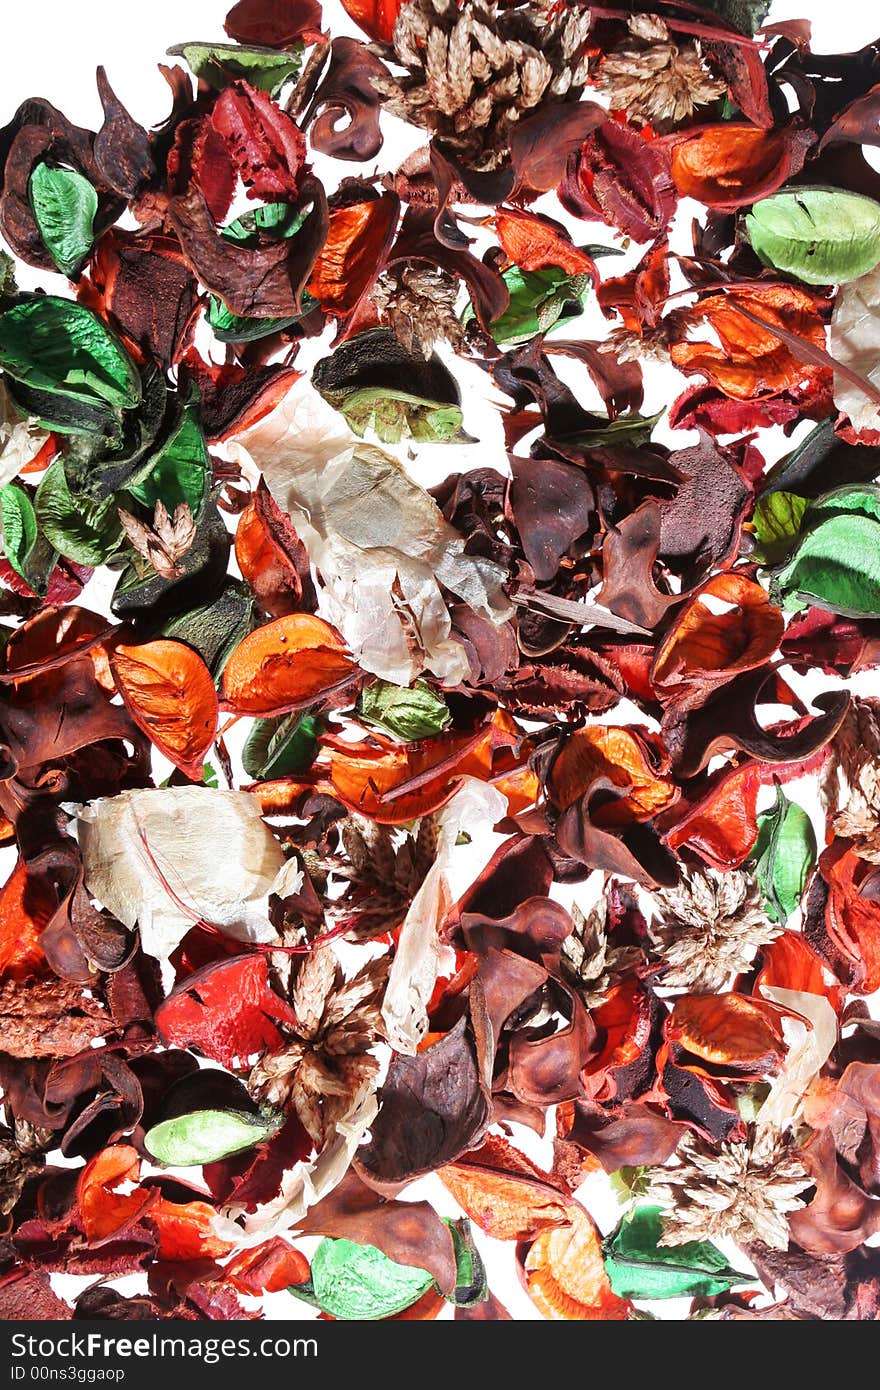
x: 428, y: 839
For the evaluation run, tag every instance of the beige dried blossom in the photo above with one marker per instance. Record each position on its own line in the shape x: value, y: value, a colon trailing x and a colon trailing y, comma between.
x: 473, y: 71
x: 852, y: 779
x: 655, y: 80
x: 321, y: 1070
x: 21, y: 1156
x: 591, y: 963
x: 710, y: 925
x: 651, y: 345
x: 743, y: 1189
x: 164, y: 543
x: 380, y: 870
x: 417, y: 302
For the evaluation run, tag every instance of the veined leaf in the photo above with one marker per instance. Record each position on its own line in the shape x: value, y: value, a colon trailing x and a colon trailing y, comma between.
x: 837, y: 566
x: 410, y: 714
x: 81, y: 529
x: 19, y: 528
x: 776, y: 524
x: 180, y: 474
x: 60, y: 347
x: 277, y: 747
x: 823, y: 236
x: 64, y: 205
x: 785, y: 854
x: 639, y: 1267
x: 360, y: 1283
x: 220, y: 64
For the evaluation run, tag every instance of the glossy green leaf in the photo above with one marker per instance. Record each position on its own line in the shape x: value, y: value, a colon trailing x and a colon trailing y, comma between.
x: 219, y: 64
x: 360, y: 1283
x: 410, y: 714
x: 836, y: 566
x: 64, y: 205
x: 19, y: 528
x: 776, y: 524
x: 471, y: 1285
x: 278, y: 747
x: 60, y: 347
x: 206, y: 1136
x: 785, y: 855
x: 822, y: 236
x: 639, y: 1267
x: 82, y: 530
x: 540, y: 300
x: 182, y: 470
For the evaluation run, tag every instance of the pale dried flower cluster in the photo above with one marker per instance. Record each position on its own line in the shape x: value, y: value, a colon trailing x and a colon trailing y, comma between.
x: 852, y: 781
x: 654, y: 80
x: 381, y: 873
x: 743, y: 1190
x: 589, y: 960
x: 166, y: 542
x: 473, y: 72
x: 709, y: 928
x: 324, y: 1067
x: 417, y: 302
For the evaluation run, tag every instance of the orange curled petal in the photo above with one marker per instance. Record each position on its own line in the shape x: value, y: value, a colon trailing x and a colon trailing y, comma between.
x: 629, y: 758
x: 728, y: 1030
x: 186, y: 1231
x: 751, y: 361
x: 103, y: 1211
x: 352, y: 255
x: 730, y: 165
x: 169, y: 693
x: 704, y: 646
x: 533, y: 243
x: 285, y: 665
x: 564, y: 1274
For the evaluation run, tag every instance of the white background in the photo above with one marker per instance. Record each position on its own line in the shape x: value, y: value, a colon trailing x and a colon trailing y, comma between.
x: 51, y: 49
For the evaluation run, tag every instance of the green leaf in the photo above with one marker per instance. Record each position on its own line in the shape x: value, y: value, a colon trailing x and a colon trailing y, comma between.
x: 539, y: 301
x: 182, y: 470
x: 784, y: 854
x: 233, y: 328
x: 410, y: 714
x: 81, y: 529
x: 219, y: 64
x: 60, y: 347
x: 64, y: 205
x: 776, y: 523
x: 214, y: 628
x: 836, y: 566
x: 360, y: 1283
x: 19, y: 528
x: 631, y: 429
x: 395, y: 415
x: 471, y: 1285
x: 209, y: 776
x: 206, y: 1136
x: 639, y: 1267
x: 823, y: 236
x: 745, y: 15
x: 277, y: 747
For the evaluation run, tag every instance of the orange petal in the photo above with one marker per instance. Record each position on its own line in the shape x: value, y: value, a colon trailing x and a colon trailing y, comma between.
x: 356, y: 245
x: 728, y: 1030
x: 169, y: 693
x: 534, y: 243
x: 21, y: 954
x: 285, y: 665
x: 506, y: 1195
x: 564, y: 1274
x: 628, y: 757
x: 705, y: 646
x: 731, y: 164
